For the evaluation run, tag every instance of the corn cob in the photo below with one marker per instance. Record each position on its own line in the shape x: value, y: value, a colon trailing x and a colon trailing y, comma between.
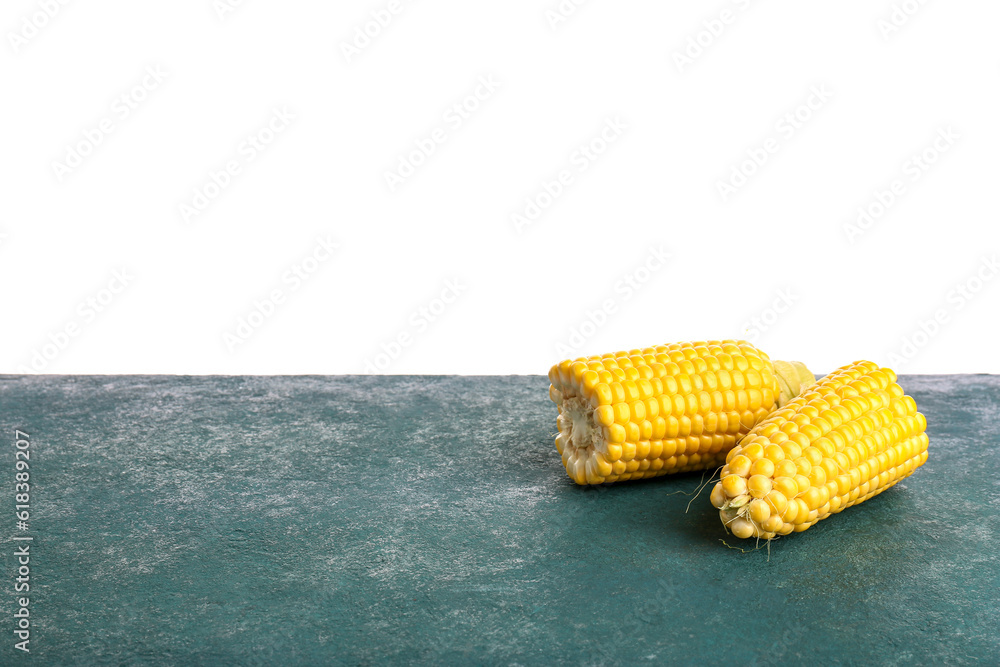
x: 666, y: 409
x: 847, y: 438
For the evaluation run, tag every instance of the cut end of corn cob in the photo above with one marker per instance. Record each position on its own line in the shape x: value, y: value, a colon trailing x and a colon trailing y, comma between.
x: 659, y: 410
x: 847, y: 438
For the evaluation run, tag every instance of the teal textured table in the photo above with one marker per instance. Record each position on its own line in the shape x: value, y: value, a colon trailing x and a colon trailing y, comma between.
x: 370, y: 520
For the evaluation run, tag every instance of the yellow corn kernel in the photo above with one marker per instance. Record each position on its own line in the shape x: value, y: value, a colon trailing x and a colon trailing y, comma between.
x: 773, y: 524
x: 849, y: 437
x: 786, y: 485
x: 763, y: 467
x: 753, y: 451
x: 759, y: 511
x: 717, y: 497
x: 786, y: 468
x: 604, y: 415
x: 734, y: 485
x: 666, y: 409
x: 791, y: 513
x: 742, y: 528
x: 777, y: 501
x: 759, y: 486
x: 740, y: 465
x: 774, y: 453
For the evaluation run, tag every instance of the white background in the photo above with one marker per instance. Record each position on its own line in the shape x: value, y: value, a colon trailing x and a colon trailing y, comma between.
x: 523, y: 292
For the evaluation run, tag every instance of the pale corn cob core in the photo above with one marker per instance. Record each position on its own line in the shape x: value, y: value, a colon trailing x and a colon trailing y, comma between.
x: 665, y: 409
x: 845, y: 439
